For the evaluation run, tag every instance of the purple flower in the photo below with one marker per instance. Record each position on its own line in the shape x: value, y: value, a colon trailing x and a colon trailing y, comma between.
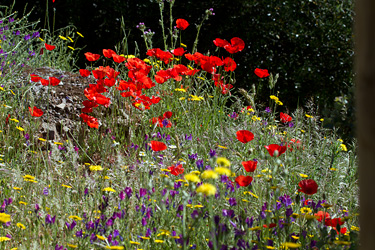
x: 27, y: 37
x: 37, y: 207
x: 72, y: 225
x: 232, y: 201
x: 188, y: 138
x: 268, y: 110
x: 212, y: 153
x: 27, y: 137
x: 142, y: 192
x: 234, y: 115
x: 195, y: 214
x: 193, y: 156
x: 291, y: 124
x: 45, y: 191
x: 228, y: 213
x: 57, y: 247
x: 128, y: 191
x: 144, y: 221
x: 49, y: 219
x: 11, y: 19
x: 199, y: 164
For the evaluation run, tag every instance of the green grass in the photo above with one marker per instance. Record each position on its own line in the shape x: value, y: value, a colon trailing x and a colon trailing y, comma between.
x: 43, y: 178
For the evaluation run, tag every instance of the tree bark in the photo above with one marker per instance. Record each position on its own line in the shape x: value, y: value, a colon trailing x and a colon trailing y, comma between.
x: 365, y: 95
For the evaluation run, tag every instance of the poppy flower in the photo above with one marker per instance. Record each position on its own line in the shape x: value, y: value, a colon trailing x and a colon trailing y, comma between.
x: 236, y: 45
x: 54, y: 81
x: 176, y: 170
x: 220, y: 42
x: 91, y: 121
x: 158, y: 146
x: 321, y: 215
x: 35, y: 78
x: 243, y: 181
x: 108, y: 53
x: 92, y: 57
x: 84, y: 72
x: 118, y: 59
x: 333, y: 222
x: 285, y: 117
x: 229, y: 64
x: 49, y: 47
x: 244, y: 136
x: 261, y: 72
x: 168, y: 114
x: 35, y: 112
x: 308, y: 186
x: 178, y: 51
x: 272, y: 148
x: 44, y: 82
x: 250, y: 166
x: 181, y: 24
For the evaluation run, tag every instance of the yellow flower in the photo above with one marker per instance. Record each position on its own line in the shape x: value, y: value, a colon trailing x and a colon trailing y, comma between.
x: 115, y: 247
x: 4, y: 218
x: 182, y: 98
x: 17, y: 188
x: 159, y: 241
x: 183, y: 45
x: 255, y: 228
x: 101, y: 237
x: 209, y: 174
x: 74, y: 217
x: 196, y: 98
x: 145, y: 238
x: 322, y: 120
x: 274, y: 98
x: 270, y: 247
x: 198, y: 206
x: 134, y: 243
x: 304, y: 175
x: 353, y: 228
x: 63, y: 38
x: 42, y: 139
x: 23, y: 203
x: 181, y: 90
x: 70, y: 47
x: 66, y: 186
x: 108, y: 189
x: 343, y: 147
x: 80, y: 34
x: 340, y: 140
x: 207, y: 189
x: 341, y: 242
x: 192, y: 178
x: 223, y: 171
x: 291, y: 245
x: 4, y: 239
x: 279, y: 103
x: 223, y: 162
x: 20, y: 128
x: 72, y: 246
x: 95, y: 168
x: 15, y: 120
x: 223, y: 147
x: 308, y: 116
x: 20, y: 225
x: 71, y: 40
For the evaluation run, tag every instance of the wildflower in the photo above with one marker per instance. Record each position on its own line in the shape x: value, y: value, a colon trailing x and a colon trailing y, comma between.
x: 207, y: 189
x: 28, y: 177
x: 244, y: 136
x: 275, y: 149
x: 159, y: 241
x: 72, y: 246
x: 92, y: 57
x: 158, y: 146
x: 4, y: 218
x: 304, y: 175
x: 192, y: 177
x: 95, y: 168
x: 66, y: 186
x: 74, y: 217
x: 291, y: 245
x: 243, y: 181
x: 35, y: 112
x: 261, y: 72
x: 20, y: 225
x: 134, y: 243
x: 209, y: 174
x: 181, y: 90
x: 196, y: 98
x: 115, y: 247
x: 212, y: 153
x: 223, y: 162
x: 108, y: 189
x: 249, y: 166
x: 343, y: 147
x: 308, y: 186
x: 49, y: 47
x: 176, y: 170
x: 284, y: 118
x: 181, y: 24
x: 321, y: 215
x: 4, y: 239
x: 306, y: 210
x: 308, y: 116
x: 101, y: 237
x: 20, y: 128
x: 79, y: 34
x: 223, y: 171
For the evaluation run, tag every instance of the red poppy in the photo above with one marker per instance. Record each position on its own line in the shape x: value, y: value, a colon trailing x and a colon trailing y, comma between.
x: 271, y: 225
x: 88, y: 106
x: 243, y: 181
x: 108, y: 53
x: 250, y: 166
x: 220, y: 42
x: 54, y: 81
x: 168, y: 114
x: 308, y: 186
x: 91, y: 121
x: 176, y: 170
x: 118, y: 59
x: 158, y: 146
x: 98, y: 74
x: 272, y: 148
x: 333, y: 222
x: 236, y: 45
x: 35, y: 112
x: 92, y: 57
x: 178, y: 51
x: 44, y: 82
x: 182, y: 24
x: 49, y: 47
x: 229, y: 64
x: 261, y: 72
x: 285, y: 117
x: 244, y: 136
x: 35, y: 78
x: 321, y: 215
x: 84, y: 72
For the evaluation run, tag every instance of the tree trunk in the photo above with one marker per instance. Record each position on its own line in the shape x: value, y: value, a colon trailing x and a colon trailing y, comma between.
x: 365, y: 95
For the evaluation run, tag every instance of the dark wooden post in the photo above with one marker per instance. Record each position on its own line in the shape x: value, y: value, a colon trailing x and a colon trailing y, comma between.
x: 365, y: 97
